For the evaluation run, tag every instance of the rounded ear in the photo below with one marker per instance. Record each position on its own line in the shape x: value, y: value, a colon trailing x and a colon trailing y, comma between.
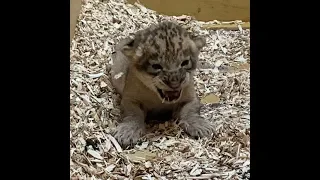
x: 128, y: 48
x: 199, y: 41
x: 131, y: 49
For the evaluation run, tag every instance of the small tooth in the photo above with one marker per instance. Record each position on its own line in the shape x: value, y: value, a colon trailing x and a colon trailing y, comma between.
x: 163, y: 100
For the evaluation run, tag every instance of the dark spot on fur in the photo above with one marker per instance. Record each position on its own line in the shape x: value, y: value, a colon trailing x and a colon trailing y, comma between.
x: 171, y: 33
x: 185, y: 34
x: 161, y: 36
x: 156, y: 45
x: 180, y: 45
x: 175, y: 31
x: 167, y: 43
x: 171, y: 43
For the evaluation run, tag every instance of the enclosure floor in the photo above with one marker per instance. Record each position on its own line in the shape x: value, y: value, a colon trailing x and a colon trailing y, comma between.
x: 166, y: 152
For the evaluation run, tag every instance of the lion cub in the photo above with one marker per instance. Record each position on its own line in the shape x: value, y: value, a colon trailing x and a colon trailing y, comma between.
x: 153, y: 72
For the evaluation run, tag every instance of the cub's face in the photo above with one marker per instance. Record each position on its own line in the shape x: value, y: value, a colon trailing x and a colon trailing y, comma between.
x: 164, y: 56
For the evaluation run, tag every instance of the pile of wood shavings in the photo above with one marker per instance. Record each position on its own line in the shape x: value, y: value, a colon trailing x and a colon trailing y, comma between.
x: 165, y: 152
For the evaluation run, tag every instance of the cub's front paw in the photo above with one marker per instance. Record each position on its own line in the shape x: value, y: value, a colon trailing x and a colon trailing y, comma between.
x: 197, y: 127
x: 128, y: 133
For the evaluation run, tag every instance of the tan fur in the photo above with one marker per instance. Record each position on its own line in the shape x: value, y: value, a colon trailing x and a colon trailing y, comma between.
x: 162, y: 58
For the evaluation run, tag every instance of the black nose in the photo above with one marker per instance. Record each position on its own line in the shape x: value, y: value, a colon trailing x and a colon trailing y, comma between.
x: 174, y: 85
x: 173, y: 80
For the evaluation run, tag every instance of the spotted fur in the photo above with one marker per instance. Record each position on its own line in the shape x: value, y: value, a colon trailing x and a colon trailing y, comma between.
x: 158, y: 63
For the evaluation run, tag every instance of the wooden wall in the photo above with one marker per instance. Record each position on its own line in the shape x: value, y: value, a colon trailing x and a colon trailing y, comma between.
x: 204, y: 10
x: 75, y: 6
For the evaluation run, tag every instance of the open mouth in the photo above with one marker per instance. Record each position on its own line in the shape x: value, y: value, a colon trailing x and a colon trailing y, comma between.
x: 169, y: 95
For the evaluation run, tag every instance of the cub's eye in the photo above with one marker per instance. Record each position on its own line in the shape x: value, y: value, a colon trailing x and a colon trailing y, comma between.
x: 185, y: 63
x: 156, y: 66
